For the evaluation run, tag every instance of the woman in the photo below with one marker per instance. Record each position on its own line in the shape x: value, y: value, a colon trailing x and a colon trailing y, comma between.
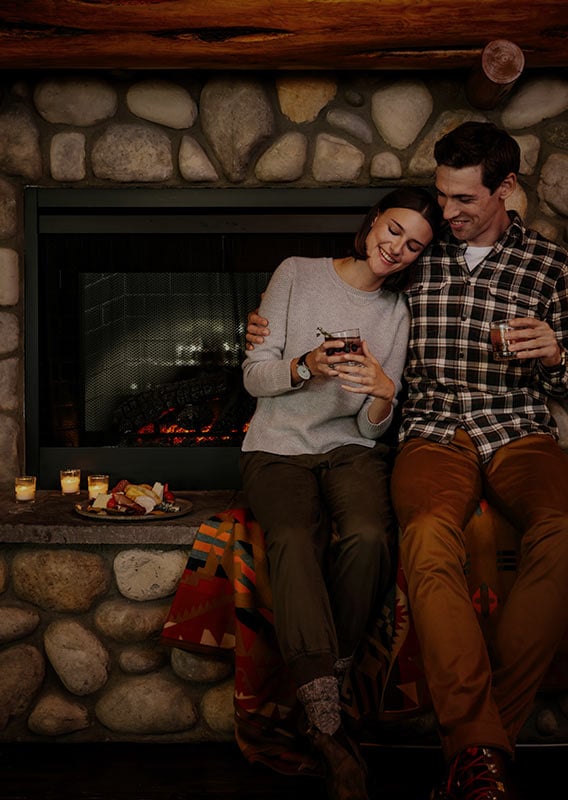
x: 312, y: 464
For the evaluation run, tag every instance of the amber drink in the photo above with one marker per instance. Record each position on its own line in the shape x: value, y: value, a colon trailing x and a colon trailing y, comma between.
x: 501, y: 351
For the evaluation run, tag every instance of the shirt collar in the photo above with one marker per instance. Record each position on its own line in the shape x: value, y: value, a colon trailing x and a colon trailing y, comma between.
x: 513, y: 235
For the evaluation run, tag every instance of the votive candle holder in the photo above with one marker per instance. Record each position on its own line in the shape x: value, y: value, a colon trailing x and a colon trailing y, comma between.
x: 97, y: 484
x: 25, y: 488
x: 70, y: 480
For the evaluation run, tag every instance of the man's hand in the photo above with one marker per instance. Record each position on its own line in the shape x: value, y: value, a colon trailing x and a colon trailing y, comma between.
x: 257, y: 329
x: 534, y: 338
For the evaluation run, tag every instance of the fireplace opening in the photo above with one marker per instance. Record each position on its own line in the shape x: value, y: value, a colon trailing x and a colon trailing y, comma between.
x: 147, y: 355
x: 136, y: 307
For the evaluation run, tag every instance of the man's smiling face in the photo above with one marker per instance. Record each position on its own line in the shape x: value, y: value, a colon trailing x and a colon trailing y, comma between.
x: 475, y: 215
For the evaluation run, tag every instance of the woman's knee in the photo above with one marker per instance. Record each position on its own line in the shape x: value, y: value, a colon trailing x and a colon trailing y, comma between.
x: 367, y: 541
x: 291, y: 542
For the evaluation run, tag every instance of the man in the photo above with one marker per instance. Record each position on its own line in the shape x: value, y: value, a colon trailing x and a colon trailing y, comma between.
x: 474, y: 426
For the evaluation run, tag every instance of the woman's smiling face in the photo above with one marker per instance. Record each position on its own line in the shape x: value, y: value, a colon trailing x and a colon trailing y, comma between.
x: 396, y: 239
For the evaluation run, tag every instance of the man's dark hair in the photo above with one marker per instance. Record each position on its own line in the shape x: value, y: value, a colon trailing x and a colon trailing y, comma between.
x: 480, y: 143
x: 417, y: 199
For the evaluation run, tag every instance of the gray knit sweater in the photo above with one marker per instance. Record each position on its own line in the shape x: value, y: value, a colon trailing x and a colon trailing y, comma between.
x: 318, y: 415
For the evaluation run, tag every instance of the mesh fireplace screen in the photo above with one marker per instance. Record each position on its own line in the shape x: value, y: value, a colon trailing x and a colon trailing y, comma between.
x: 162, y: 355
x: 141, y: 346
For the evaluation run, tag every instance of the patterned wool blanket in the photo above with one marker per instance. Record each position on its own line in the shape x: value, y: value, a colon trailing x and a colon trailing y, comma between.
x: 223, y: 608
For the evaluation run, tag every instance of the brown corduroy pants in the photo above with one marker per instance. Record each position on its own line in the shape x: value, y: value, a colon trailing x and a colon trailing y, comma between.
x: 435, y: 489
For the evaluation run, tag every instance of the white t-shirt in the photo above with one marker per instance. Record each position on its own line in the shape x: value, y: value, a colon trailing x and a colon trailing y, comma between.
x: 475, y: 255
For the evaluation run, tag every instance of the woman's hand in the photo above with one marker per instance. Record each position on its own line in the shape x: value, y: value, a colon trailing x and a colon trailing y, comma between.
x: 318, y: 362
x: 366, y: 376
x: 323, y: 365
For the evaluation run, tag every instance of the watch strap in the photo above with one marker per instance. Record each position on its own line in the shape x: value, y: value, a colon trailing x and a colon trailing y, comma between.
x: 302, y: 363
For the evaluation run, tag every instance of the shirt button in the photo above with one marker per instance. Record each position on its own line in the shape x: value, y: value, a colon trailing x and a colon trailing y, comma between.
x: 464, y: 317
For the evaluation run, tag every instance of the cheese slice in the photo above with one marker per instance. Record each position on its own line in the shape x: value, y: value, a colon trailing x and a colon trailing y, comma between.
x: 101, y: 500
x: 148, y: 503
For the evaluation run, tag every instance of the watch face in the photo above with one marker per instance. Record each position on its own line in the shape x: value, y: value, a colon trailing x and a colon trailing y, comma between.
x: 304, y: 372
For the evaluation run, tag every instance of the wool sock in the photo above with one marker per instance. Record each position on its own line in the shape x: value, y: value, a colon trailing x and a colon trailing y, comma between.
x: 341, y: 668
x: 320, y: 699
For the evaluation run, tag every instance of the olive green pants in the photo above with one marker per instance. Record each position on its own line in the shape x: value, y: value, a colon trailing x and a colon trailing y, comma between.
x: 435, y: 489
x: 325, y: 588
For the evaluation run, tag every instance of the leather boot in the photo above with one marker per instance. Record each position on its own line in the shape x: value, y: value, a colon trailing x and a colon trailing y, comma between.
x: 346, y: 777
x: 345, y: 768
x: 475, y: 773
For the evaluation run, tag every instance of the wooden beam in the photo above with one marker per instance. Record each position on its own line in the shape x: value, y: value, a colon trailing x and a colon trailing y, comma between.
x: 276, y: 34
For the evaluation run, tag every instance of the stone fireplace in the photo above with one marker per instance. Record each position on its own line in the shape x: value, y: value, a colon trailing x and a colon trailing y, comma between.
x: 241, y: 135
x: 134, y: 154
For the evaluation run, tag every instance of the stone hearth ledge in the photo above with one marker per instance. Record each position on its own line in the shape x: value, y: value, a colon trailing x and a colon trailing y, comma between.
x: 51, y: 519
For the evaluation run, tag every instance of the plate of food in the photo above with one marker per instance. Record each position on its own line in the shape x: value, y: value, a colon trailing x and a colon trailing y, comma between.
x: 134, y: 502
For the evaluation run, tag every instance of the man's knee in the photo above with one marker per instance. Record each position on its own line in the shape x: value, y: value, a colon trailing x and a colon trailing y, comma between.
x: 431, y: 539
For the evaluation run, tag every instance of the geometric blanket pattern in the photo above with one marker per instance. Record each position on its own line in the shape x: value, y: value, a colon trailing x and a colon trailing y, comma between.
x: 223, y: 607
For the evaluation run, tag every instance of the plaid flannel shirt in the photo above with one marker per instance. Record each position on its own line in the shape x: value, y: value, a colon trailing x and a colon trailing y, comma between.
x: 453, y: 381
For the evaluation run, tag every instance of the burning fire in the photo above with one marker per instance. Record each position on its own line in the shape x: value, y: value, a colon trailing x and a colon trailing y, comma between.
x: 178, y: 435
x: 204, y: 410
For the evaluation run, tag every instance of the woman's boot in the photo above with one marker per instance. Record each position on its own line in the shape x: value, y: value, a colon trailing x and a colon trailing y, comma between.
x: 345, y: 767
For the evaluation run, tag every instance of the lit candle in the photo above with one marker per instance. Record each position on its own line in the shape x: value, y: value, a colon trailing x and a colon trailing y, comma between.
x: 25, y: 487
x: 98, y: 484
x: 70, y: 481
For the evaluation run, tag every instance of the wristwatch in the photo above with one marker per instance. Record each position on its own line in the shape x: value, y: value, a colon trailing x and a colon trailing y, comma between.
x: 561, y: 366
x: 302, y: 368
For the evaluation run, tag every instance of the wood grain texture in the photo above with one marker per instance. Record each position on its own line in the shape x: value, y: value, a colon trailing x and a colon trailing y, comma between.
x: 276, y: 34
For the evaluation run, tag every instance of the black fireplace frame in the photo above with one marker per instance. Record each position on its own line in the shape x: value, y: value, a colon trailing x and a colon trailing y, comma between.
x: 215, y: 210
